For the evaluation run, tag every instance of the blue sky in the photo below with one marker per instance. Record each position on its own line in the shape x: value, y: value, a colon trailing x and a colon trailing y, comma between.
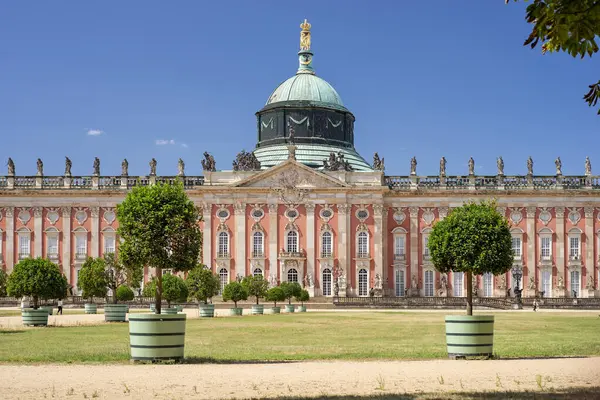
x: 422, y: 78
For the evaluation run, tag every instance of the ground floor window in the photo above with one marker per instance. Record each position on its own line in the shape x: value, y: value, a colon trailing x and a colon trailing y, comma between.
x: 575, y: 284
x: 458, y: 283
x: 363, y: 282
x: 223, y: 276
x: 292, y: 275
x: 428, y: 283
x: 326, y: 282
x: 400, y: 283
x: 257, y: 272
x: 488, y: 285
x: 547, y: 283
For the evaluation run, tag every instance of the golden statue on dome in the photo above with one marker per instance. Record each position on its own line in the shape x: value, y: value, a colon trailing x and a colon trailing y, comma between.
x: 305, y: 35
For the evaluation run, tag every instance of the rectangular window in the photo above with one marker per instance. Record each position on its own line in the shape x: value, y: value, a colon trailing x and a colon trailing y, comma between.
x: 292, y: 242
x: 399, y: 247
x: 81, y: 245
x: 52, y: 245
x: 575, y: 284
x: 363, y: 245
x: 429, y: 283
x: 109, y: 244
x: 24, y: 246
x: 257, y: 244
x: 547, y: 283
x: 574, y: 248
x: 546, y: 247
x: 516, y: 246
x: 488, y: 285
x: 400, y: 283
x: 458, y: 284
x: 326, y: 245
x: 426, y: 247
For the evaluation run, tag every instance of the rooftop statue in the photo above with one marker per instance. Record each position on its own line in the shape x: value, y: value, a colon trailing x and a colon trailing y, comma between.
x: 530, y: 166
x: 40, y: 167
x: 208, y: 164
x: 336, y: 163
x: 443, y: 166
x: 471, y: 166
x: 305, y: 35
x: 413, y: 166
x: 246, y: 161
x: 180, y: 168
x: 378, y: 164
x: 558, y: 164
x: 588, y: 166
x: 153, y: 167
x: 125, y: 167
x: 68, y: 165
x: 500, y: 165
x: 11, y: 167
x: 96, y: 166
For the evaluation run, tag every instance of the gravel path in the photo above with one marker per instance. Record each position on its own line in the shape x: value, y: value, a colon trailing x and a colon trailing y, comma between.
x: 239, y: 381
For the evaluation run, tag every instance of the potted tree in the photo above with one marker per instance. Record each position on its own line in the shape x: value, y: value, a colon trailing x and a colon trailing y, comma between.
x: 472, y: 239
x: 290, y: 290
x: 36, y: 278
x: 92, y: 282
x: 257, y: 287
x: 159, y: 228
x: 120, y: 276
x: 275, y: 294
x: 304, y: 296
x: 203, y: 285
x: 235, y: 292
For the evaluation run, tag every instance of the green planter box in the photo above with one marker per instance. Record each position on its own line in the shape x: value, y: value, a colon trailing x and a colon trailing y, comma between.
x: 167, y: 310
x: 290, y: 308
x: 258, y: 309
x: 91, y: 308
x: 49, y: 309
x: 236, y: 311
x: 33, y: 317
x: 470, y: 336
x: 115, y: 312
x: 206, y: 310
x: 157, y: 336
x: 275, y: 310
x: 179, y: 308
x: 301, y: 308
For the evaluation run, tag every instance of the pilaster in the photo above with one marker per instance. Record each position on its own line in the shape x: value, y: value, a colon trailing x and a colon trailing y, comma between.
x: 531, y: 241
x: 207, y: 239
x: 272, y: 236
x: 560, y: 246
x: 589, y: 245
x: 9, y: 259
x: 95, y: 245
x: 310, y: 241
x: 378, y: 241
x: 66, y: 243
x: 240, y: 239
x: 414, y: 245
x: 343, y: 243
x: 37, y: 232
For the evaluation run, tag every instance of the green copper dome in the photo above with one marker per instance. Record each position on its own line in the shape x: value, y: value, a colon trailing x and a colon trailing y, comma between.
x: 306, y: 87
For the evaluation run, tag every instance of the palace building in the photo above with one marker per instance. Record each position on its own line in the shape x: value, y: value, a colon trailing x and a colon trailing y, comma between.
x: 305, y: 206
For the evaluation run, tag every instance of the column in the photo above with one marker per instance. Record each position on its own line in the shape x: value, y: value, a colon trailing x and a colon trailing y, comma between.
x: 95, y: 240
x: 378, y: 241
x: 240, y: 238
x: 414, y: 247
x: 37, y: 232
x: 531, y: 259
x: 589, y: 248
x: 310, y: 244
x: 207, y: 239
x: 9, y: 259
x: 272, y: 236
x: 66, y: 243
x: 344, y: 245
x: 560, y: 249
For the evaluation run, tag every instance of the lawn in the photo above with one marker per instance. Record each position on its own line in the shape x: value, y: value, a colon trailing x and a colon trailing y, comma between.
x: 313, y: 336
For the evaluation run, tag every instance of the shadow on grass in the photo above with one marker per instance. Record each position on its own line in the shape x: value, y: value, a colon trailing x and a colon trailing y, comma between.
x: 210, y: 360
x: 9, y: 331
x: 567, y: 394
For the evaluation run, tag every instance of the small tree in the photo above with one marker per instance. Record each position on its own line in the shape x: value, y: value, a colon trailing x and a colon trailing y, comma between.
x: 117, y: 274
x: 275, y: 294
x: 202, y: 284
x: 158, y: 224
x: 92, y: 279
x: 256, y: 286
x: 474, y: 239
x: 37, y: 278
x: 235, y: 292
x: 291, y: 289
x: 304, y: 296
x: 150, y: 288
x: 174, y: 289
x: 3, y: 279
x: 124, y: 293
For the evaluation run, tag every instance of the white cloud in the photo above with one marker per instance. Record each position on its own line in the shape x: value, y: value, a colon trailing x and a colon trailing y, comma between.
x: 184, y: 145
x: 162, y: 142
x: 95, y: 132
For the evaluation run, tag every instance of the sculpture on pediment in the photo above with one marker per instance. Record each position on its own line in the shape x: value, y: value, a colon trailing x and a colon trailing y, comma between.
x: 588, y: 166
x: 336, y: 163
x: 561, y: 282
x: 532, y: 283
x: 336, y: 288
x: 272, y: 280
x: 68, y: 165
x: 209, y: 164
x: 500, y: 165
x: 378, y: 163
x: 96, y: 166
x: 125, y: 167
x: 590, y: 283
x: 530, y: 166
x: 471, y: 166
x: 443, y: 166
x: 180, y: 167
x: 11, y: 167
x: 40, y: 167
x: 153, y: 167
x: 444, y: 282
x: 502, y: 282
x: 246, y: 161
x: 558, y: 164
x: 413, y: 282
x: 413, y: 166
x: 378, y: 283
x: 311, y: 282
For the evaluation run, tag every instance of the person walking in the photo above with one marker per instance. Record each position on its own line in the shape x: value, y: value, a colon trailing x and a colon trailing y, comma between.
x: 535, y: 305
x: 60, y: 306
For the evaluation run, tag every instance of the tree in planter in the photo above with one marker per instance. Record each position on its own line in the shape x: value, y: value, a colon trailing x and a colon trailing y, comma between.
x: 275, y: 294
x: 158, y: 225
x: 474, y: 239
x: 92, y: 280
x: 174, y: 289
x: 290, y: 290
x: 3, y: 279
x: 37, y: 278
x: 304, y: 296
x: 124, y: 293
x: 202, y: 284
x: 235, y: 292
x: 118, y: 275
x: 256, y: 286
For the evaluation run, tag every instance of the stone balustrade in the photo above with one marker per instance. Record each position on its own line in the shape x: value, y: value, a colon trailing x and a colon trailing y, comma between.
x: 93, y: 182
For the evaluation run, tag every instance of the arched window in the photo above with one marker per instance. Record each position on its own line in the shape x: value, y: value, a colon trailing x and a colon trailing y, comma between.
x: 108, y: 236
x: 326, y: 282
x: 52, y: 243
x: 223, y: 245
x: 224, y: 277
x: 257, y: 272
x: 81, y: 239
x: 363, y: 245
x: 488, y: 284
x: 458, y: 284
x: 428, y: 284
x: 575, y: 283
x: 326, y: 245
x: 257, y: 244
x: 363, y: 282
x: 292, y: 242
x: 292, y: 275
x: 400, y: 283
x: 24, y: 243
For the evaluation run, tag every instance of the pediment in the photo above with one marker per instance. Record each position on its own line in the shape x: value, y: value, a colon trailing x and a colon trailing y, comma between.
x: 291, y: 175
